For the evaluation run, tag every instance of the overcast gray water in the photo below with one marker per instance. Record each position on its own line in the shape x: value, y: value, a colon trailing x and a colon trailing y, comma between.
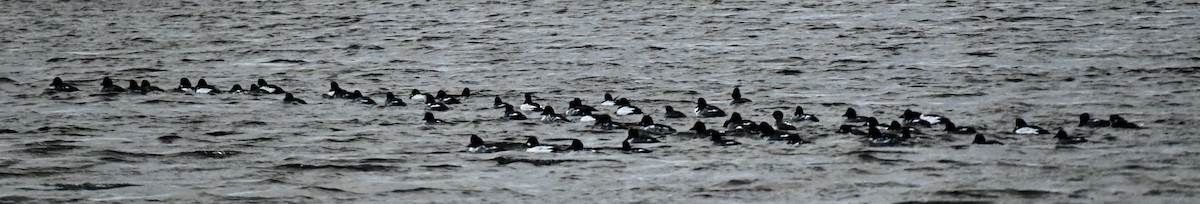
x: 982, y: 63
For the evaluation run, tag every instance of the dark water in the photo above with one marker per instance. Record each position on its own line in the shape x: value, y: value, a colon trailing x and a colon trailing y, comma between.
x: 981, y: 63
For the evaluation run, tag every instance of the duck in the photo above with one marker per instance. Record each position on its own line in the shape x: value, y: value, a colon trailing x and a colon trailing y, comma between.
x: 1086, y: 120
x: 766, y: 131
x: 737, y: 97
x: 265, y: 88
x: 107, y: 86
x: 532, y: 145
x: 1119, y: 122
x: 1026, y: 129
x: 718, y: 139
x: 647, y: 125
x: 951, y: 128
x: 57, y: 85
x: 918, y: 118
x: 896, y: 127
x: 184, y: 86
x: 698, y: 130
x: 735, y: 124
x: 636, y: 137
x: 878, y: 139
x: 548, y: 116
x: 335, y: 91
x: 433, y: 105
x: 445, y: 98
x: 779, y: 122
x: 625, y: 108
x: 587, y: 117
x: 605, y: 122
x: 917, y: 122
x: 391, y: 100
x: 289, y: 99
x: 608, y: 100
x: 577, y: 146
x: 933, y: 119
x: 510, y: 114
x: 149, y: 88
x: 853, y: 117
x: 628, y: 149
x: 529, y: 105
x: 133, y: 88
x: 873, y: 122
x: 796, y: 141
x: 874, y: 132
x: 497, y: 103
x: 477, y: 146
x: 800, y: 116
x: 705, y: 110
x: 576, y: 108
x: 254, y: 90
x: 416, y: 95
x: 849, y: 129
x: 980, y: 140
x: 237, y: 89
x: 202, y: 87
x: 1064, y: 139
x: 430, y: 120
x: 672, y: 113
x: 358, y: 98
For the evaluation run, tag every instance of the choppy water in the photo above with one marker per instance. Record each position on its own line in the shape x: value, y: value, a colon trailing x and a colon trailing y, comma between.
x: 981, y: 63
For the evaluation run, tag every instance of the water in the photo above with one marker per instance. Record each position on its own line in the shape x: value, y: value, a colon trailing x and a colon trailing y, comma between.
x: 982, y: 63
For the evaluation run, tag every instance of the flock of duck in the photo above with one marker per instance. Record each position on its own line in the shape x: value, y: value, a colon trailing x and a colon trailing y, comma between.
x: 871, y: 131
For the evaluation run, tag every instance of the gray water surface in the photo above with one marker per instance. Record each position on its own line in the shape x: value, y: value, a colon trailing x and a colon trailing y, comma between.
x: 982, y: 63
